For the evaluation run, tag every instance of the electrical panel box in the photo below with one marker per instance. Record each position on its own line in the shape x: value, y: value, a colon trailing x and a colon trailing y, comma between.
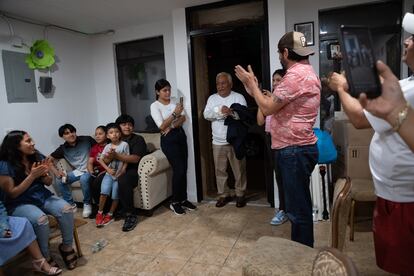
x: 20, y: 79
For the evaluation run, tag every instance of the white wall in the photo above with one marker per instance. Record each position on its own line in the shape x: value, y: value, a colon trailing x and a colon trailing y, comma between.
x: 73, y: 100
x: 277, y: 27
x: 183, y: 85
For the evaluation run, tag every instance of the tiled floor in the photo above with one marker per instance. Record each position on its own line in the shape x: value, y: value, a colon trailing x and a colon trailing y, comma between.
x: 209, y: 241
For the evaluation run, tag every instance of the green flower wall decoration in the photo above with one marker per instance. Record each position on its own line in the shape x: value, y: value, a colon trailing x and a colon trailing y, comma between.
x: 41, y: 55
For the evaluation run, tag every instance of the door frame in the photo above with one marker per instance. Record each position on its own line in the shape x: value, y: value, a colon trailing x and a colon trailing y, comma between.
x: 202, y: 32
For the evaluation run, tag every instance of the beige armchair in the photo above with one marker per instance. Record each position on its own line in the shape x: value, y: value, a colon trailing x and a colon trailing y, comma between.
x: 154, y: 171
x: 278, y: 256
x: 331, y: 261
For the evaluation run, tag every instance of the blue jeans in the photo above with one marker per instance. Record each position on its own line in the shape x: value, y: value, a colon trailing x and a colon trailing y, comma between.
x: 295, y: 165
x: 109, y: 186
x: 66, y: 190
x: 56, y: 207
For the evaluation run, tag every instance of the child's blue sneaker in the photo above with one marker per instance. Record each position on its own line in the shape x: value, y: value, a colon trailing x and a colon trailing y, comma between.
x: 279, y: 218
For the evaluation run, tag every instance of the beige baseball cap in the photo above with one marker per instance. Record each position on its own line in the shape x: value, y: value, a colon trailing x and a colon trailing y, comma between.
x: 296, y: 42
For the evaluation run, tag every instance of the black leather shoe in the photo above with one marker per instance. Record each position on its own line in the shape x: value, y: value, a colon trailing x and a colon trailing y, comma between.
x: 222, y: 201
x: 240, y: 201
x: 130, y: 223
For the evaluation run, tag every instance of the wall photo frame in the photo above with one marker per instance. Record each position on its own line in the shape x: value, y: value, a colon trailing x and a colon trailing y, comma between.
x: 307, y: 29
x: 333, y: 51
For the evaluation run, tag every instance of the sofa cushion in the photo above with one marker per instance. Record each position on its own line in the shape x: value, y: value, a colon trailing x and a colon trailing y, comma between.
x: 152, y: 140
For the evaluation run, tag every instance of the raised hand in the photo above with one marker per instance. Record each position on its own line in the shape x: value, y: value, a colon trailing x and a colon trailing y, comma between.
x: 337, y: 82
x: 38, y: 169
x: 179, y: 109
x: 248, y: 78
x: 391, y: 101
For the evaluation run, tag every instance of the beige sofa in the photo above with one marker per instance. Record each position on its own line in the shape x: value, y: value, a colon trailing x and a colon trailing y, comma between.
x: 154, y: 171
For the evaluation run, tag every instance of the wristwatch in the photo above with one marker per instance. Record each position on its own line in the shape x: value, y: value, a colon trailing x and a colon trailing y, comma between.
x: 402, y: 115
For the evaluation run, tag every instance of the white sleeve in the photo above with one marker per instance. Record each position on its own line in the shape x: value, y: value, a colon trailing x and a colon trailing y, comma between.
x: 126, y: 148
x: 212, y: 112
x: 106, y: 149
x: 156, y: 114
x: 378, y: 124
x: 242, y: 100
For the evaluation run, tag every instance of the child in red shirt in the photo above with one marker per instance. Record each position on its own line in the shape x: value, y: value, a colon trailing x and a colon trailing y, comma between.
x: 94, y: 167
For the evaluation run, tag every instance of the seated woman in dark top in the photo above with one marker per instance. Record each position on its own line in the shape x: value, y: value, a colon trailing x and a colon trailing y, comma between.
x: 23, y: 176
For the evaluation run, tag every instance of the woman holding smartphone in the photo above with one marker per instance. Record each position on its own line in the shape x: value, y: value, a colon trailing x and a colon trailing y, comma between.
x: 169, y: 117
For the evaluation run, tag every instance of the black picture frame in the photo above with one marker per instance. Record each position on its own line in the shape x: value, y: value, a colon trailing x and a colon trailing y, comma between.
x: 308, y: 30
x: 333, y: 50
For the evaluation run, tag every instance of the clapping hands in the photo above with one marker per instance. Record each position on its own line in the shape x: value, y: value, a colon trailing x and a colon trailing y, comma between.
x: 248, y: 78
x: 40, y: 169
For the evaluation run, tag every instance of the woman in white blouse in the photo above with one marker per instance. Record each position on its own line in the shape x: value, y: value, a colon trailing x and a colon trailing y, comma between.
x: 169, y: 117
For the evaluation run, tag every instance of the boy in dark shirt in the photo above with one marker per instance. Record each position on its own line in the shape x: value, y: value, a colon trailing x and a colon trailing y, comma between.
x: 128, y: 181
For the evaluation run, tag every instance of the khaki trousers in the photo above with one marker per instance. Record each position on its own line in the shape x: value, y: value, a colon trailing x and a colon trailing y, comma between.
x: 221, y: 154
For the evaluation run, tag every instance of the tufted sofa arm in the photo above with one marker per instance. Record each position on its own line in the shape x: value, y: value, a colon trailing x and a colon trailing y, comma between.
x: 154, y: 183
x: 62, y: 164
x: 153, y: 164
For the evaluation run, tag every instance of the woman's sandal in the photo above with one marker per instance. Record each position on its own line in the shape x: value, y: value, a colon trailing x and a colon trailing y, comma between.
x: 69, y: 257
x: 39, y: 264
x: 52, y: 262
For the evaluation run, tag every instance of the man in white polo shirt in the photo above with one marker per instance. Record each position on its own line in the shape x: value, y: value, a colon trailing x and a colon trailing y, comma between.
x: 216, y: 111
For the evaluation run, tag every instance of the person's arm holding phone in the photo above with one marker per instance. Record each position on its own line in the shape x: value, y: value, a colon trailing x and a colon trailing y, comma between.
x: 351, y: 105
x: 359, y: 62
x: 392, y: 106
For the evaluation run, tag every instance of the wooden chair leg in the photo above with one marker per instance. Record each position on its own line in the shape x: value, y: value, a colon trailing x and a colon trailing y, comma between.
x: 351, y: 232
x: 77, y: 242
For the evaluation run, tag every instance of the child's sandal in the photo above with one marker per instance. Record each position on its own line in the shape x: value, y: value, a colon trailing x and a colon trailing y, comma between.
x: 70, y: 258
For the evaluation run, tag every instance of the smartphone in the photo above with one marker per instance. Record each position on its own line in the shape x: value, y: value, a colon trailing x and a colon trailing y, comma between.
x: 181, y: 100
x: 359, y: 61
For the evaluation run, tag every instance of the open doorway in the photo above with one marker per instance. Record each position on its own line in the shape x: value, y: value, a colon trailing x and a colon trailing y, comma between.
x: 217, y: 49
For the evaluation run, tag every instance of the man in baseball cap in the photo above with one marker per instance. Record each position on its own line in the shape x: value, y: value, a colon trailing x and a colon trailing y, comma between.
x: 294, y: 107
x: 296, y: 42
